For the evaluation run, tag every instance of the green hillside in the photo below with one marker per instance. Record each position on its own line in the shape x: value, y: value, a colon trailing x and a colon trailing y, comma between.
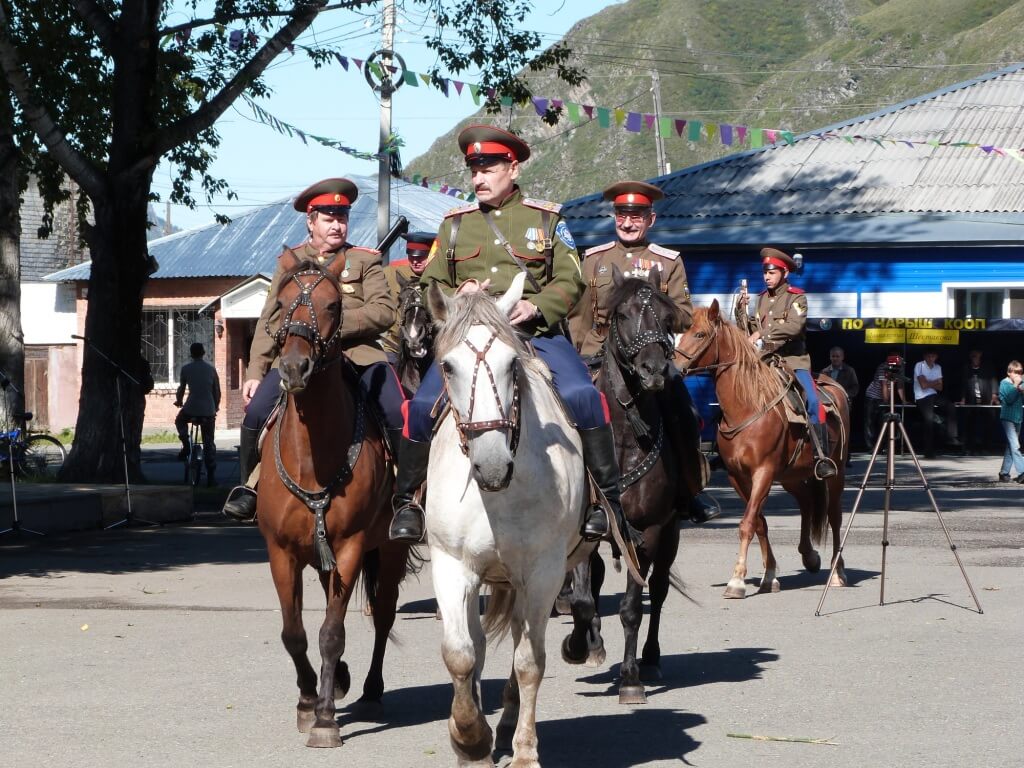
x: 797, y: 66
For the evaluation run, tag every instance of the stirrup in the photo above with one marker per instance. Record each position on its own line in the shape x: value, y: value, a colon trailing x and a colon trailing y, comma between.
x: 595, y: 523
x: 236, y: 495
x: 412, y: 532
x: 824, y: 468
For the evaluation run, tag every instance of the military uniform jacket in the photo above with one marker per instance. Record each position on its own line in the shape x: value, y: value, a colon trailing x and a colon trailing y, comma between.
x: 479, y: 255
x: 783, y: 324
x: 390, y: 340
x: 367, y: 305
x: 588, y: 322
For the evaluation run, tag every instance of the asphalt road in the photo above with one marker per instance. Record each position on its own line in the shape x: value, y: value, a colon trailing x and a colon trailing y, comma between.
x: 160, y: 647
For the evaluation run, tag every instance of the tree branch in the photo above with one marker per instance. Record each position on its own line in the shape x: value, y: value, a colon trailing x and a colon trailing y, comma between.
x: 196, y: 23
x: 98, y: 21
x: 77, y: 165
x: 204, y: 117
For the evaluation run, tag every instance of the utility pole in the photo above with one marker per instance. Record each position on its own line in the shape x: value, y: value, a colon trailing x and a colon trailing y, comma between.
x: 384, y: 167
x: 659, y: 140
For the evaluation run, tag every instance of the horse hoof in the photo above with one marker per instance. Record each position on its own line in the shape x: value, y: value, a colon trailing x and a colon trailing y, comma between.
x: 735, y: 589
x: 838, y: 579
x: 650, y: 673
x: 342, y: 680
x: 324, y: 736
x: 596, y: 657
x: 562, y: 606
x: 567, y: 656
x: 812, y: 562
x: 304, y: 719
x: 773, y: 586
x: 632, y: 694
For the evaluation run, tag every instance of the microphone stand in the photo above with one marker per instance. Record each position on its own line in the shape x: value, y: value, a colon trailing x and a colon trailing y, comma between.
x: 16, y: 526
x: 129, y: 517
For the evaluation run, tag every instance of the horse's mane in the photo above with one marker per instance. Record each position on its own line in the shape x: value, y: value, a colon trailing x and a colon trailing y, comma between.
x: 629, y: 288
x: 756, y: 383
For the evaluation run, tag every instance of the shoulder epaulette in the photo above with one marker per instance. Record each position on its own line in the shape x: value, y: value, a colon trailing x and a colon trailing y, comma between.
x: 599, y: 249
x: 464, y: 209
x: 543, y: 205
x: 763, y: 293
x: 660, y: 250
x: 372, y: 251
x: 793, y: 289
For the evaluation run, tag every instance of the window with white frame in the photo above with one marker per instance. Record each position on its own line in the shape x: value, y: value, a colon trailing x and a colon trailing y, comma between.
x: 167, y: 334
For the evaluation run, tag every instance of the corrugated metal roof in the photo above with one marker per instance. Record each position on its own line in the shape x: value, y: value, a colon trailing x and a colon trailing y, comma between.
x: 251, y: 243
x: 835, y: 177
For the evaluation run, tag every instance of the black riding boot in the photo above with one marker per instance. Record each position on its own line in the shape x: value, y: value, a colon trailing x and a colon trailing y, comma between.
x: 824, y: 467
x: 394, y: 443
x: 599, y: 456
x: 241, y: 503
x: 703, y: 507
x: 408, y: 522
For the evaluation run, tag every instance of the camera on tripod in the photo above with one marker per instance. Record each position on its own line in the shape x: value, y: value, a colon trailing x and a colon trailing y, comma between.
x: 893, y: 367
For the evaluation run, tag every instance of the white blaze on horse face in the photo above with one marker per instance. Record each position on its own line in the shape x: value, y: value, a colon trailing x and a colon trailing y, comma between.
x: 489, y: 451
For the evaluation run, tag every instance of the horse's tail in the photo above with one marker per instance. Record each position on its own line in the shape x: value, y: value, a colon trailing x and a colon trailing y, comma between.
x: 370, y: 574
x: 819, y: 508
x: 497, y: 617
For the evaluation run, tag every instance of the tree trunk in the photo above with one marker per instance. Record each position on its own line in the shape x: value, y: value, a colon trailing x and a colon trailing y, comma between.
x: 115, y: 377
x: 12, y: 342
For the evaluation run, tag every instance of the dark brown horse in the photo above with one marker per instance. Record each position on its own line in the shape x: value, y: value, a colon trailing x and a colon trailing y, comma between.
x: 326, y: 503
x: 759, y: 445
x: 637, y: 353
x: 416, y: 334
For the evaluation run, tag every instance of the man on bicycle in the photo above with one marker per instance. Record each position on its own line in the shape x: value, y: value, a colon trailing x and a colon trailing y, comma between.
x: 203, y: 401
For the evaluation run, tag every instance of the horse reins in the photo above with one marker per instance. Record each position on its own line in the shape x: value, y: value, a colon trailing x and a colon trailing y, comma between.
x: 644, y: 338
x: 309, y: 331
x: 467, y: 425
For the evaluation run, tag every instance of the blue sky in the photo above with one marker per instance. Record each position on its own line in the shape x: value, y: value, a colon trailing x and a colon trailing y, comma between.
x: 263, y: 165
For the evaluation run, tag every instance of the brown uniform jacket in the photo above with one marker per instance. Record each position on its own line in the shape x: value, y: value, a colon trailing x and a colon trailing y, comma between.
x: 783, y: 324
x: 480, y: 255
x: 390, y: 339
x: 367, y: 304
x: 588, y: 322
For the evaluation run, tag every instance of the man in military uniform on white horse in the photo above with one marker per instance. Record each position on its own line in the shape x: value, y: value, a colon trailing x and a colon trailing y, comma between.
x: 778, y: 327
x: 482, y: 247
x: 633, y: 206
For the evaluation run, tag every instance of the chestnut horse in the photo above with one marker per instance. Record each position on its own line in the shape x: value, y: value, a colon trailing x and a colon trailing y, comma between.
x: 326, y: 505
x: 759, y: 445
x: 637, y: 354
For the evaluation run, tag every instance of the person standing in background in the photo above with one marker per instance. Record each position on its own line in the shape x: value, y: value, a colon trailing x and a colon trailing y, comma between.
x: 1011, y: 414
x: 846, y: 378
x: 979, y: 390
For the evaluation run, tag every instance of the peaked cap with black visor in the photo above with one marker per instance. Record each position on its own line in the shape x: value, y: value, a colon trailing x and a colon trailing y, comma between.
x: 333, y: 197
x: 632, y: 196
x: 485, y: 142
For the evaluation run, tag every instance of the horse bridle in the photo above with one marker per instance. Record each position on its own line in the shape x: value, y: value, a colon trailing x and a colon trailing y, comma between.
x: 644, y: 338
x: 690, y: 357
x: 466, y: 425
x: 411, y: 303
x: 308, y: 331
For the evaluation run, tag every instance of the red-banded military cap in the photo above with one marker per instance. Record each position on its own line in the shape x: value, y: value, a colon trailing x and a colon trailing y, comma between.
x: 419, y: 241
x: 632, y: 194
x: 776, y: 258
x: 330, y: 196
x: 485, y: 142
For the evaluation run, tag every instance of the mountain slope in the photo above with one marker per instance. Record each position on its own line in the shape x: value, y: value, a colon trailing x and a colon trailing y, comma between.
x: 797, y: 66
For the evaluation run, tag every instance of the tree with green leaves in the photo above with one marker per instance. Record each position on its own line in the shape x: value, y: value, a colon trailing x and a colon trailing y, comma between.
x: 111, y: 87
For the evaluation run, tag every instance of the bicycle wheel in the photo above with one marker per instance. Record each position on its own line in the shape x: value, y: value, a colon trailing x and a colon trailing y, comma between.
x: 40, y: 458
x: 195, y: 464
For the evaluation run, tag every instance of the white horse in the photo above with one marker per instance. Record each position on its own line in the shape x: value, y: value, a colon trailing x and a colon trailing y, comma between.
x: 505, y: 501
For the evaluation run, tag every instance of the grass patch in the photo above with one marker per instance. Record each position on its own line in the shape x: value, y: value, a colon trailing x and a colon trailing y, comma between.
x: 66, y: 436
x: 163, y: 436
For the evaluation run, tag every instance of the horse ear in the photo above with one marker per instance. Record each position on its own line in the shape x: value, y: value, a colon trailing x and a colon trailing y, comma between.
x: 617, y: 276
x: 289, y: 259
x: 654, y: 277
x: 714, y: 313
x: 437, y: 302
x: 512, y: 296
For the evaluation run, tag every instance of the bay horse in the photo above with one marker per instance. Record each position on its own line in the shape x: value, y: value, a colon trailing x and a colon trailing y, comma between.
x: 415, y: 334
x: 326, y: 504
x: 637, y: 354
x: 758, y: 445
x: 504, y: 510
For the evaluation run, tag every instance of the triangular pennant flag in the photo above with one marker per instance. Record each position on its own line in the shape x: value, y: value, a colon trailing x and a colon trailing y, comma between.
x: 409, y: 78
x: 491, y: 93
x: 541, y: 105
x: 787, y: 136
x: 458, y: 86
x: 741, y: 134
x: 711, y: 130
x: 425, y: 79
x: 665, y: 126
x: 620, y: 116
x: 604, y: 117
x: 359, y: 64
x: 506, y: 101
x: 680, y: 124
x: 633, y: 122
x: 573, y: 111
x: 474, y: 91
x: 556, y: 103
x: 392, y: 69
x: 444, y: 86
x: 756, y: 138
x: 416, y: 178
x: 770, y: 135
x: 589, y: 110
x: 375, y: 70
x: 726, y: 133
x: 693, y: 130
x: 648, y: 121
x: 302, y: 136
x: 444, y: 189
x: 342, y: 60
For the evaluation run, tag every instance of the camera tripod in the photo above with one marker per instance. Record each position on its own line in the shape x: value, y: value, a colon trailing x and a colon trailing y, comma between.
x: 892, y: 420
x: 15, y: 527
